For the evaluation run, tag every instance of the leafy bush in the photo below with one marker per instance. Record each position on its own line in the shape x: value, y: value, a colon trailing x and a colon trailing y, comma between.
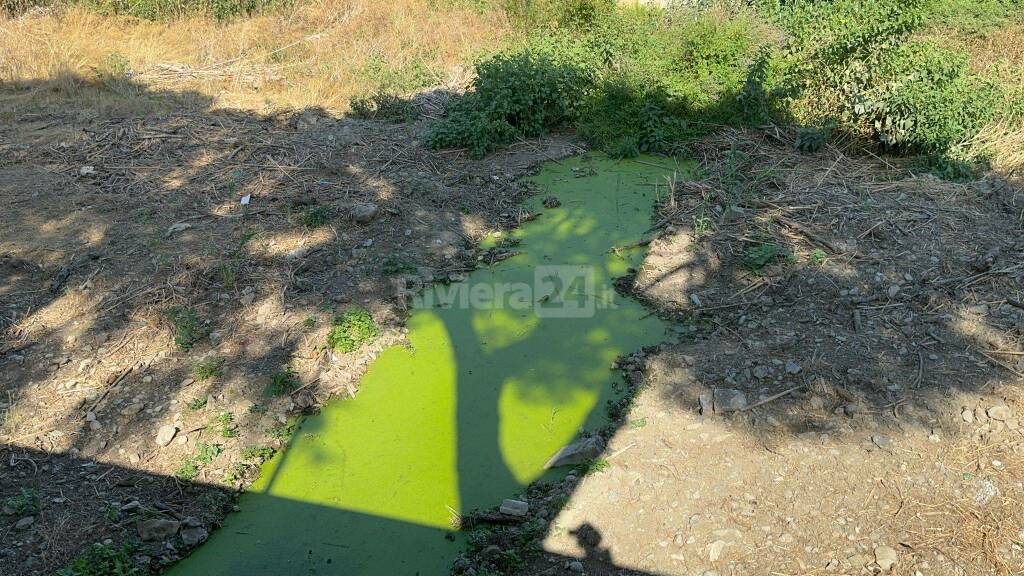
x: 518, y: 95
x: 352, y: 329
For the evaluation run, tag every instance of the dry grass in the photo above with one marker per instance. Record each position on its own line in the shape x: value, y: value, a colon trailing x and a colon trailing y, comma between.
x: 319, y: 54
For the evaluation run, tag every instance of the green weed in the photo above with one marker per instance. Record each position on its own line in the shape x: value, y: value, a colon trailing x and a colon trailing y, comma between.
x: 209, y: 367
x: 282, y: 382
x: 352, y: 329
x: 26, y: 502
x: 197, y: 403
x: 188, y: 329
x: 757, y: 257
x: 259, y: 453
x: 101, y: 560
x: 225, y: 425
x: 191, y: 466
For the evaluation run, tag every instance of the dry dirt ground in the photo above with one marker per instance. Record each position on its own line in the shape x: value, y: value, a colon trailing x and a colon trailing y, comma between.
x: 844, y: 395
x: 111, y: 226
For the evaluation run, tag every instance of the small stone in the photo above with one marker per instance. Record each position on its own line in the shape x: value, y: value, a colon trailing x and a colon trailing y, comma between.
x: 157, y: 529
x: 706, y: 403
x: 165, y: 434
x: 514, y: 507
x: 364, y: 212
x: 792, y: 367
x: 576, y: 566
x: 25, y: 522
x: 90, y: 416
x: 886, y: 558
x: 247, y: 299
x: 882, y: 442
x: 132, y: 409
x: 968, y: 415
x: 729, y: 400
x: 577, y: 452
x: 715, y: 550
x: 1001, y: 413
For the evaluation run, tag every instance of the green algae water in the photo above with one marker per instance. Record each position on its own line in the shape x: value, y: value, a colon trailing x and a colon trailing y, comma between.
x: 500, y: 371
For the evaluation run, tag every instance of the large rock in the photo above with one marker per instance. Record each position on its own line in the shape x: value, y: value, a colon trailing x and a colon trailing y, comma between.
x: 157, y: 529
x: 886, y: 558
x: 194, y: 535
x: 577, y: 453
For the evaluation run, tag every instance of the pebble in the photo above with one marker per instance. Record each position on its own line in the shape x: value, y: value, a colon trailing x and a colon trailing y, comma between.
x: 364, y: 212
x: 165, y: 434
x: 886, y: 558
x: 514, y: 507
x: 157, y: 529
x: 25, y: 522
x: 729, y: 400
x: 1001, y: 413
x: 576, y: 566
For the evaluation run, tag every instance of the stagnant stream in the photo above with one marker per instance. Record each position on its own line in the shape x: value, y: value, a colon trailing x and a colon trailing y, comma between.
x: 468, y: 413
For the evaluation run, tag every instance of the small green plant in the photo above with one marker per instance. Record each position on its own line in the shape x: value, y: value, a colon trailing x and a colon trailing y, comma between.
x: 352, y: 329
x: 197, y: 403
x: 315, y: 216
x: 595, y: 466
x: 638, y: 423
x: 188, y: 329
x: 191, y: 466
x: 225, y: 425
x: 395, y: 265
x: 282, y: 382
x: 281, y: 432
x: 101, y: 560
x: 817, y: 257
x: 258, y: 453
x: 757, y: 257
x: 309, y: 323
x: 208, y: 367
x: 25, y: 502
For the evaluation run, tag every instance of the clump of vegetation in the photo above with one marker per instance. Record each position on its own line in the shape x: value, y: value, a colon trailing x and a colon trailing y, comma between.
x: 25, y: 502
x: 225, y: 425
x: 198, y: 403
x: 315, y: 216
x: 189, y: 330
x: 102, y: 560
x: 281, y: 432
x: 282, y: 382
x: 595, y: 466
x: 259, y: 453
x: 383, y: 105
x: 190, y: 467
x: 757, y: 257
x: 396, y: 265
x: 209, y: 367
x: 352, y: 329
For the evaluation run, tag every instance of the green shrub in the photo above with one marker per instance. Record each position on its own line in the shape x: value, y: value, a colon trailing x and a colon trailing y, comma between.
x: 352, y: 329
x: 24, y: 503
x: 518, y: 95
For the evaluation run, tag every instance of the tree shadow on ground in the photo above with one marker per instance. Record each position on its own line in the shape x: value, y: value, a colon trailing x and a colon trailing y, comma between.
x: 115, y: 220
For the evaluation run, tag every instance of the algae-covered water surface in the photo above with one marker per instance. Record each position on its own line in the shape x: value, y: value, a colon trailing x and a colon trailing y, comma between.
x: 500, y: 371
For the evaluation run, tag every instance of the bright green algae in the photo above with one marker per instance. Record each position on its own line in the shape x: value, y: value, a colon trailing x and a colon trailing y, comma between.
x: 470, y: 411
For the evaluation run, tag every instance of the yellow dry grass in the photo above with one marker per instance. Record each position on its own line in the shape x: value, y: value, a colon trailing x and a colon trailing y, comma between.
x: 320, y: 53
